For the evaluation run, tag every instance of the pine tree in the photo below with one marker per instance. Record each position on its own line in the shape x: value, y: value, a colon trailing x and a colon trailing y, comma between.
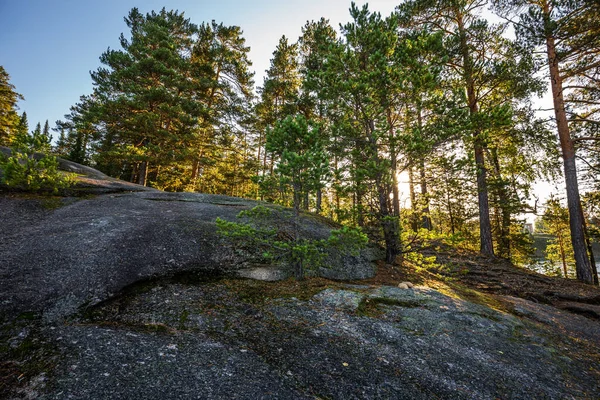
x: 568, y: 31
x: 220, y: 65
x: 424, y: 97
x: 46, y: 133
x: 278, y: 98
x: 26, y: 169
x: 169, y: 109
x: 356, y: 75
x: 493, y: 74
x: 147, y: 103
x: 62, y: 144
x: 302, y: 161
x: 314, y: 45
x: 9, y: 119
x: 23, y: 127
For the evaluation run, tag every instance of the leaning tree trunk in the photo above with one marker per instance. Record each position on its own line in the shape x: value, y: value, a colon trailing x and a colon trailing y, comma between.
x: 582, y: 262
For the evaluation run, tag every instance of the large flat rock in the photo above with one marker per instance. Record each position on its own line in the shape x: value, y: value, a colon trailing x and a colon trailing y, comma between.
x: 59, y: 254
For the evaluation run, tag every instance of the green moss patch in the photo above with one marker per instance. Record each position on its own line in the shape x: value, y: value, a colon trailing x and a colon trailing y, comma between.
x: 374, y: 307
x: 253, y: 291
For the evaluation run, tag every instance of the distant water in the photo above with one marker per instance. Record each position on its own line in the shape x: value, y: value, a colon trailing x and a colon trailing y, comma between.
x: 541, y: 265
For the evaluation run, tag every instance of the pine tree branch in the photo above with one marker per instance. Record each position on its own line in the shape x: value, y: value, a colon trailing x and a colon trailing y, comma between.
x: 581, y: 70
x: 590, y: 166
x: 586, y: 138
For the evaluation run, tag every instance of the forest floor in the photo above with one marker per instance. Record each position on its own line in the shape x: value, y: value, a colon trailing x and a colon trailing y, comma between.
x: 466, y: 270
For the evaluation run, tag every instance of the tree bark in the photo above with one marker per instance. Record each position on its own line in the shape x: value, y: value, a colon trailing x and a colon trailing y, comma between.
x: 423, y: 200
x: 319, y: 200
x: 195, y: 171
x: 590, y: 250
x: 426, y: 218
x: 389, y: 222
x: 582, y: 262
x: 134, y: 171
x: 394, y: 164
x: 390, y: 225
x: 414, y: 219
x: 143, y: 173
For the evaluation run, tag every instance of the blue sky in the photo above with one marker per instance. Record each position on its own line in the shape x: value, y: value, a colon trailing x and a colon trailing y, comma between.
x: 49, y: 47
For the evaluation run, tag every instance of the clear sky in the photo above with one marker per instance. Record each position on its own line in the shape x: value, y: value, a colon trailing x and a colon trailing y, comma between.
x: 49, y: 46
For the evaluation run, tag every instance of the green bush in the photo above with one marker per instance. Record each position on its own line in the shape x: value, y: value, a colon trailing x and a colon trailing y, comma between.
x: 23, y: 170
x: 267, y: 244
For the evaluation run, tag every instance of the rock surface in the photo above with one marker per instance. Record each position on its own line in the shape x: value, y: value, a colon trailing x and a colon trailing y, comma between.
x: 122, y: 296
x: 86, y: 249
x: 214, y: 340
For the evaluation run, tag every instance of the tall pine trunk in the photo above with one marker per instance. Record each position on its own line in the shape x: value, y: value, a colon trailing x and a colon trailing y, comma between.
x: 485, y: 226
x: 424, y: 200
x: 389, y: 222
x: 590, y: 250
x: 414, y: 218
x: 394, y: 164
x: 319, y: 201
x: 582, y: 262
x: 426, y: 217
x: 195, y: 172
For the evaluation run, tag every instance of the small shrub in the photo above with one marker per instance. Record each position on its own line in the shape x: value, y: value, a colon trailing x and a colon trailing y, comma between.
x: 267, y: 244
x: 22, y: 170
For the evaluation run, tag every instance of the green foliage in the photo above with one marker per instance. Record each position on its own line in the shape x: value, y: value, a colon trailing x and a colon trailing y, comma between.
x: 9, y: 119
x: 169, y: 107
x: 522, y: 245
x: 421, y: 262
x: 559, y: 251
x: 303, y: 164
x: 591, y: 202
x: 28, y: 168
x: 434, y: 88
x: 266, y: 244
x: 347, y: 240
